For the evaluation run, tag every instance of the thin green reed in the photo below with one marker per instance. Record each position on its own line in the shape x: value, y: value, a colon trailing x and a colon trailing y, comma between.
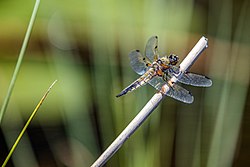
x: 221, y: 30
x: 19, y: 61
x: 230, y: 107
x: 27, y: 124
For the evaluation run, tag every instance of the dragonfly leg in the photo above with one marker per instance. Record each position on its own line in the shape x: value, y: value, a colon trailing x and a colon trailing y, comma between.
x: 176, y: 72
x: 165, y: 76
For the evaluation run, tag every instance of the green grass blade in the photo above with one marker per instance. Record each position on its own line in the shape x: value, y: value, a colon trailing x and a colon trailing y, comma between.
x: 27, y: 124
x: 19, y: 61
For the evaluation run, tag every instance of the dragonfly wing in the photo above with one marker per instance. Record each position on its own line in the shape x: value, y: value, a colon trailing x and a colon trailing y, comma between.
x: 138, y: 62
x: 177, y: 92
x: 157, y: 82
x: 151, y: 50
x: 193, y: 79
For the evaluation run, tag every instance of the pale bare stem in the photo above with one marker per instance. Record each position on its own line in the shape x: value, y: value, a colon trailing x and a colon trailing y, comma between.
x: 151, y: 105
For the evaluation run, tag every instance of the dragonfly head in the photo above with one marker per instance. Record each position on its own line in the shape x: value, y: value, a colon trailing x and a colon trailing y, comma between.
x: 173, y: 59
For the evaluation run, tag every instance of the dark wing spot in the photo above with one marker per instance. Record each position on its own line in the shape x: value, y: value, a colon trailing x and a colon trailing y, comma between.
x: 156, y: 37
x: 190, y: 93
x: 156, y: 47
x: 144, y: 58
x: 206, y: 77
x: 137, y: 50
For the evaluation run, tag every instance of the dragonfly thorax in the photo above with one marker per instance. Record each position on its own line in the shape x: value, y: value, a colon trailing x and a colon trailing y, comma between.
x: 156, y: 65
x: 162, y: 64
x: 163, y: 61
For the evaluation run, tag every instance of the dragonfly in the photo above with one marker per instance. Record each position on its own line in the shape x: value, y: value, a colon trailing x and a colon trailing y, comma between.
x: 156, y: 71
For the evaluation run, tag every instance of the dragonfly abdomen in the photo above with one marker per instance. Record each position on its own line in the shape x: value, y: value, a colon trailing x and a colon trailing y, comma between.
x: 143, y: 80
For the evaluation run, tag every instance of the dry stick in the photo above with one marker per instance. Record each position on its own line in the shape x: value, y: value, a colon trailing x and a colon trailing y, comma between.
x: 151, y: 105
x: 27, y: 124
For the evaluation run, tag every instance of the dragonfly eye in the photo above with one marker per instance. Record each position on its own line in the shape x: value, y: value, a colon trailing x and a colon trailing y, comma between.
x: 173, y: 59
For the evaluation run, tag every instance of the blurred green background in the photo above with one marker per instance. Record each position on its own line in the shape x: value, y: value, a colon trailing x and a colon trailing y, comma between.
x: 85, y: 45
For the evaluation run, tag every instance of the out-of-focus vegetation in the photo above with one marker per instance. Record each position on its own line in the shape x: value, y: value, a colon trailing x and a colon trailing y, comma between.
x: 85, y: 45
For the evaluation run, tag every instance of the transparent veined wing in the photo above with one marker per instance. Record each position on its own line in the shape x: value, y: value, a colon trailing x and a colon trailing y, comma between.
x: 195, y: 80
x: 192, y: 79
x: 151, y: 50
x: 138, y: 62
x: 177, y: 92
